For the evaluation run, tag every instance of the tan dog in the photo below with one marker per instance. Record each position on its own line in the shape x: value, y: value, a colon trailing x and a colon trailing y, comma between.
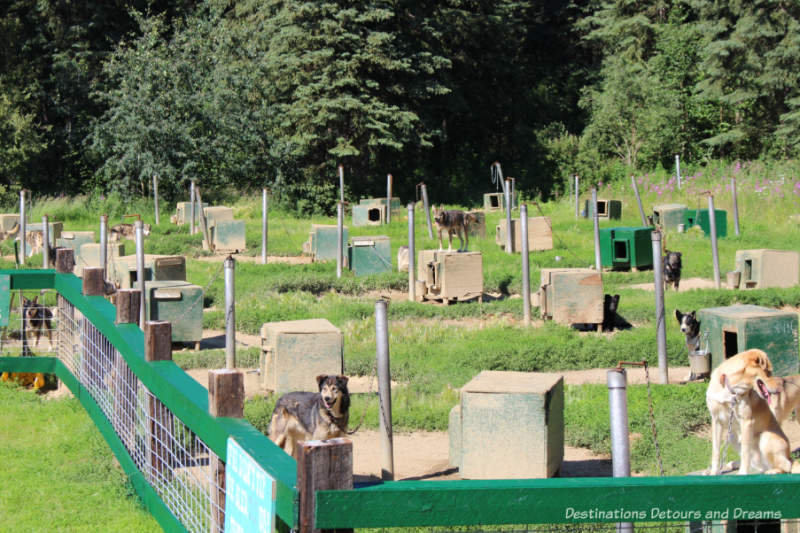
x: 35, y: 242
x: 730, y: 385
x: 10, y: 233
x: 124, y: 231
x: 785, y: 398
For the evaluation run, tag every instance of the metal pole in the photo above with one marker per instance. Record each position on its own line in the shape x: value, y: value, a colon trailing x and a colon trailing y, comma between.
x: 45, y: 242
x: 155, y: 197
x: 23, y: 227
x: 513, y: 193
x: 596, y: 220
x: 638, y: 199
x: 339, y: 238
x: 526, y: 268
x: 620, y: 443
x: 712, y: 221
x: 388, y: 198
x: 264, y: 227
x: 577, y: 194
x: 661, y: 325
x: 230, y: 315
x: 384, y: 390
x: 341, y: 183
x: 678, y: 169
x: 140, y: 272
x: 191, y: 208
x: 412, y: 287
x: 104, y: 245
x: 507, y: 195
x: 427, y: 208
x: 735, y: 206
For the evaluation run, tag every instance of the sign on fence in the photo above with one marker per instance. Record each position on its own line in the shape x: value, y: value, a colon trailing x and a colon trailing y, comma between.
x: 249, y: 494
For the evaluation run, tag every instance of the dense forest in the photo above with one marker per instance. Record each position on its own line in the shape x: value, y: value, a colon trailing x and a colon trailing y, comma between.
x: 98, y: 96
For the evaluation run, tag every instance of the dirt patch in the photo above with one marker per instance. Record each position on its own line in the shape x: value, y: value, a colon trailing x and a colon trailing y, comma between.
x: 686, y: 285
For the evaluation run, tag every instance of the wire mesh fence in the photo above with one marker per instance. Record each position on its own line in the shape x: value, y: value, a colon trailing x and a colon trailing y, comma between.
x: 698, y: 526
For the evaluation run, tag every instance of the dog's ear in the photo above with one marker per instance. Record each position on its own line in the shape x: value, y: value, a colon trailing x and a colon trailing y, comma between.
x: 678, y: 315
x: 693, y: 314
x: 35, y: 300
x: 723, y: 379
x: 320, y: 379
x: 343, y: 379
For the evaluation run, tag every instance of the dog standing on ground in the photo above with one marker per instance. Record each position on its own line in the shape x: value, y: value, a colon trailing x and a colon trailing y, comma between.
x: 731, y: 404
x: 126, y: 231
x: 453, y: 221
x: 690, y: 327
x: 302, y: 416
x: 38, y: 319
x: 671, y: 264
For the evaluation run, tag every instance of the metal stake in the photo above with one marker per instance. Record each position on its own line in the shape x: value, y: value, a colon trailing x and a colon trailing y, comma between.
x: 577, y: 194
x: 23, y: 227
x: 155, y: 197
x: 712, y: 220
x: 341, y: 183
x: 620, y: 443
x: 230, y: 314
x: 411, y: 270
x: 45, y: 242
x: 661, y: 325
x: 427, y: 208
x: 638, y: 199
x: 104, y: 245
x: 513, y: 193
x: 526, y: 273
x: 384, y: 390
x: 388, y: 198
x: 678, y: 169
x: 192, y: 201
x: 735, y: 206
x: 339, y: 238
x: 140, y: 271
x: 507, y: 195
x: 596, y: 220
x: 264, y: 222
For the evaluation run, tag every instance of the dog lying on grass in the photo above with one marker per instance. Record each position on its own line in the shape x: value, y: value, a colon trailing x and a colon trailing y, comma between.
x: 302, y: 416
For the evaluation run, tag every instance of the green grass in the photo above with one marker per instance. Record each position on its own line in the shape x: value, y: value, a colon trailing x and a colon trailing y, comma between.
x: 58, y: 473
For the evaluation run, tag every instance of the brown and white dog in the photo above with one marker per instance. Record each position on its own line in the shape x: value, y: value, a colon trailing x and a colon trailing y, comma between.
x: 126, y: 231
x: 302, y: 416
x: 453, y: 221
x: 785, y: 396
x: 735, y: 401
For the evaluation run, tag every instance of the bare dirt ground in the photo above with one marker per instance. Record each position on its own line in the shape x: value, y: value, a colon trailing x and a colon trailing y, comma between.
x: 685, y: 285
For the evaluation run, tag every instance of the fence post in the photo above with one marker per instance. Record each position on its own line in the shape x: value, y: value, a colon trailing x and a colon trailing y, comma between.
x: 427, y: 207
x: 596, y: 220
x: 339, y: 237
x: 526, y: 272
x: 620, y: 444
x: 513, y: 192
x: 159, y: 427
x: 509, y: 227
x: 93, y: 282
x: 384, y: 390
x: 23, y: 227
x: 127, y: 304
x: 735, y: 206
x: 225, y: 398
x: 230, y: 314
x: 661, y: 326
x: 65, y: 260
x: 155, y: 197
x: 411, y: 251
x: 712, y: 222
x: 192, y: 201
x: 341, y: 183
x: 678, y: 169
x: 140, y: 270
x: 45, y: 242
x: 203, y: 221
x: 638, y: 199
x: 388, y: 198
x: 104, y: 243
x: 264, y: 227
x: 577, y: 195
x: 322, y: 465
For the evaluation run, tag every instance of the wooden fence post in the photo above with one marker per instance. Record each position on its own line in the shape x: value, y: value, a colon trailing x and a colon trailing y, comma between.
x: 93, y: 281
x: 65, y: 260
x: 127, y: 304
x: 93, y: 285
x: 225, y: 398
x: 322, y: 465
x: 158, y: 347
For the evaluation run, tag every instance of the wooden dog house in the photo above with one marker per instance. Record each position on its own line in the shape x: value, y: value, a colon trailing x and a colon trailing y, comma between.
x: 608, y: 209
x: 449, y: 276
x: 369, y: 255
x: 540, y: 234
x: 763, y: 268
x: 669, y: 216
x: 321, y: 244
x: 571, y: 296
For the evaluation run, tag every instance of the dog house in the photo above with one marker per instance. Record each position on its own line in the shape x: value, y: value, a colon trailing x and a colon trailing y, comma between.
x: 626, y: 248
x: 122, y: 270
x: 737, y: 328
x: 295, y: 352
x: 216, y: 214
x: 759, y: 269
x: 369, y: 255
x: 88, y: 255
x: 610, y: 209
x: 8, y: 221
x: 478, y: 227
x: 183, y: 213
x: 493, y: 201
x: 321, y: 244
x: 449, y: 276
x: 540, y: 234
x: 492, y: 405
x: 54, y: 229
x: 571, y: 296
x: 669, y: 216
x: 75, y: 239
x: 178, y: 302
x: 700, y: 217
x: 372, y: 211
x: 227, y: 236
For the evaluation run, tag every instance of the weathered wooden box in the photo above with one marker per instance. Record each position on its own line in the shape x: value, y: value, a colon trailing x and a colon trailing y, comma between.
x: 8, y: 221
x: 626, y: 248
x: 764, y: 268
x: 669, y: 216
x: 54, y: 229
x: 571, y: 295
x: 227, y: 236
x: 493, y: 201
x: 509, y: 425
x: 700, y: 217
x: 295, y: 352
x: 369, y: 255
x: 478, y: 227
x: 88, y: 255
x: 372, y: 211
x: 178, y: 302
x: 216, y: 214
x: 609, y: 209
x: 540, y: 234
x: 737, y: 328
x: 183, y: 213
x: 156, y: 268
x: 449, y: 276
x: 321, y: 242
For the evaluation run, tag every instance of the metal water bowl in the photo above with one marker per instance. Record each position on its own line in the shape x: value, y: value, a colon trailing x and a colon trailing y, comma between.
x: 700, y: 362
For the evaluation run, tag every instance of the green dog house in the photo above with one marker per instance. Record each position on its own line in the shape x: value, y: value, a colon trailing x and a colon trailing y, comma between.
x: 669, y: 216
x: 370, y: 255
x: 626, y: 248
x: 700, y: 217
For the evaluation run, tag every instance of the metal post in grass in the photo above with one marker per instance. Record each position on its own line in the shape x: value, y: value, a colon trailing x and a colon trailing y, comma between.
x: 427, y: 207
x: 23, y: 227
x: 411, y: 245
x: 203, y: 221
x: 661, y: 325
x: 388, y: 198
x: 526, y: 272
x: 384, y: 390
x: 264, y: 225
x: 341, y: 183
x: 192, y: 200
x: 339, y: 238
x: 155, y: 198
x: 507, y: 196
x: 735, y: 206
x: 104, y: 244
x: 230, y: 314
x: 617, y: 382
x: 712, y: 222
x: 45, y: 242
x: 638, y: 199
x: 577, y: 194
x: 140, y: 270
x: 678, y: 169
x: 596, y: 221
x: 513, y: 193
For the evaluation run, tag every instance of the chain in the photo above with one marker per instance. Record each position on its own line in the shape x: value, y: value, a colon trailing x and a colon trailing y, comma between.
x: 369, y: 394
x: 734, y: 401
x: 653, y: 421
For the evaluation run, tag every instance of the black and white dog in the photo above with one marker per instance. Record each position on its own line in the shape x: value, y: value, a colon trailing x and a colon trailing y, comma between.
x: 672, y: 269
x: 690, y: 327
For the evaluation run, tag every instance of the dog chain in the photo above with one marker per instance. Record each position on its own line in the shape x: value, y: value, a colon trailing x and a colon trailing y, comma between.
x: 653, y: 421
x: 734, y: 400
